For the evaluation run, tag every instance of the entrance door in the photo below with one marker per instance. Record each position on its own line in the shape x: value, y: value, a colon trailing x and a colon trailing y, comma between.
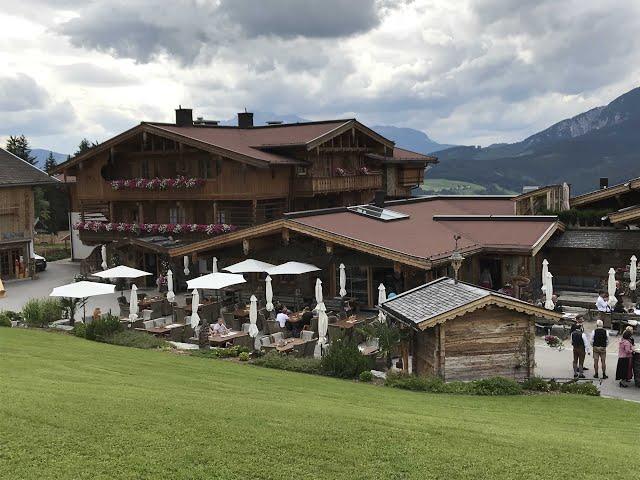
x: 491, y: 273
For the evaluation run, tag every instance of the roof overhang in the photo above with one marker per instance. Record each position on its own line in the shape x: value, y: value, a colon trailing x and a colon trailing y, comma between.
x: 605, y: 193
x: 627, y: 215
x: 348, y: 125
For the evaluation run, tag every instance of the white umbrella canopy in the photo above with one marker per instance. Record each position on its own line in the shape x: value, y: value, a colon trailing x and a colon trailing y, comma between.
x: 249, y: 266
x: 566, y: 193
x: 633, y: 272
x: 611, y: 288
x: 343, y: 280
x: 121, y: 271
x: 133, y: 303
x: 323, y: 324
x: 170, y: 294
x: 185, y: 262
x: 268, y: 294
x: 103, y: 254
x: 214, y: 265
x: 548, y: 303
x: 318, y: 291
x: 545, y: 270
x: 82, y: 289
x: 292, y: 268
x: 195, y: 301
x: 382, y: 297
x: 253, y: 316
x: 215, y: 281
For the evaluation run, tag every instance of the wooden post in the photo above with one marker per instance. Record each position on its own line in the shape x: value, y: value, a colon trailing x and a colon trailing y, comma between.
x: 215, y: 212
x: 441, y: 351
x: 254, y: 211
x: 370, y: 297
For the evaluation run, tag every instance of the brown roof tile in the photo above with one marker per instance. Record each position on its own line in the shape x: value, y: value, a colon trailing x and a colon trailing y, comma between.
x: 14, y: 171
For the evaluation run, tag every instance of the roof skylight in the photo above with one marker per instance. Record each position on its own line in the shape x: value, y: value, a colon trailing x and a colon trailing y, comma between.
x: 378, y: 213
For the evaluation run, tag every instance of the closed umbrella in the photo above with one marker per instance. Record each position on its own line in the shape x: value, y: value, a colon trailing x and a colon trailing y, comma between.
x: 195, y: 300
x: 318, y: 291
x: 185, y: 261
x: 214, y: 266
x: 611, y: 288
x: 545, y: 270
x: 133, y: 303
x: 566, y: 193
x: 382, y: 297
x: 323, y: 324
x: 103, y: 254
x: 343, y: 280
x: 633, y: 272
x: 268, y: 293
x: 548, y: 303
x: 253, y: 316
x: 170, y: 295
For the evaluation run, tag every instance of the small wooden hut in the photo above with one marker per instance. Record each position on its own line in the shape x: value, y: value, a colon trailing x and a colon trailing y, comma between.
x: 464, y: 332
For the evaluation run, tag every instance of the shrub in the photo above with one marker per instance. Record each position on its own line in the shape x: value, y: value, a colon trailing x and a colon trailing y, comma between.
x: 220, y: 352
x: 102, y: 327
x: 343, y: 360
x: 5, y: 321
x: 417, y: 383
x: 291, y: 364
x: 366, y: 376
x: 536, y: 384
x: 586, y: 388
x: 10, y: 316
x: 80, y: 330
x: 41, y: 312
x: 496, y: 386
x: 243, y: 357
x: 132, y: 338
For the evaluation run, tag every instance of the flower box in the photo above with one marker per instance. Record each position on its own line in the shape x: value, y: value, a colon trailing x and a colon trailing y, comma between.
x: 178, y: 183
x: 155, y: 228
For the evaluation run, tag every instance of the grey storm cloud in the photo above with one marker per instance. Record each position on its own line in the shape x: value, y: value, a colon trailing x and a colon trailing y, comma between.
x: 21, y: 92
x: 93, y: 75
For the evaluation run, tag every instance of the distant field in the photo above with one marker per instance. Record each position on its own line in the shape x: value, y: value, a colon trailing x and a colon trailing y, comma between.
x: 75, y: 409
x: 443, y: 186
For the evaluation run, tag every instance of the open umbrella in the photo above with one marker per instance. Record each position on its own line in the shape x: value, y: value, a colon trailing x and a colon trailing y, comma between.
x: 103, y: 254
x: 611, y: 288
x: 83, y: 290
x: 121, y: 271
x: 292, y: 268
x: 548, y: 302
x: 133, y: 304
x: 318, y: 291
x: 343, y: 280
x: 195, y: 301
x: 633, y: 272
x: 268, y: 294
x: 214, y: 265
x: 545, y: 270
x: 323, y: 324
x: 215, y: 281
x: 382, y: 297
x: 249, y: 266
x: 170, y: 295
x: 185, y: 261
x: 253, y: 316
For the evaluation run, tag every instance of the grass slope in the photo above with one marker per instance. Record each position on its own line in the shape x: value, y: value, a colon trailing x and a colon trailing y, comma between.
x: 70, y: 408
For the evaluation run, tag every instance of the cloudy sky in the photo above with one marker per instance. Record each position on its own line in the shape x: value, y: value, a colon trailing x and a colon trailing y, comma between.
x: 464, y: 71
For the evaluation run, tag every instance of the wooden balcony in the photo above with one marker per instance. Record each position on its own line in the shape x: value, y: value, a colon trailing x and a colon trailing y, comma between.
x: 322, y: 185
x: 410, y: 177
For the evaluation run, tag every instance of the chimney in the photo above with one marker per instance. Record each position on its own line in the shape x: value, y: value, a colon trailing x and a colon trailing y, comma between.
x: 184, y: 117
x: 245, y: 119
x: 378, y: 200
x: 604, y: 182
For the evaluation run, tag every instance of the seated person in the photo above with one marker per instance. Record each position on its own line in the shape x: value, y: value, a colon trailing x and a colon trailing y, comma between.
x: 307, y: 316
x: 556, y: 307
x: 602, y: 303
x: 219, y: 328
x: 282, y: 318
x: 97, y: 313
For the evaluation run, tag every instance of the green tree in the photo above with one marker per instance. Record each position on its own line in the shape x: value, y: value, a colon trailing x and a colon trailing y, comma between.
x: 50, y: 163
x: 19, y: 146
x: 41, y: 205
x: 83, y: 146
x: 389, y: 337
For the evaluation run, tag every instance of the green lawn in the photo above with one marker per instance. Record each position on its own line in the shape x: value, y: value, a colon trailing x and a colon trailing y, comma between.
x: 435, y: 186
x: 70, y: 408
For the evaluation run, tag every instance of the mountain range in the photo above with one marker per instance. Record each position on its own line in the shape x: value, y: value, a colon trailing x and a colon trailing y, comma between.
x: 602, y: 142
x: 41, y: 155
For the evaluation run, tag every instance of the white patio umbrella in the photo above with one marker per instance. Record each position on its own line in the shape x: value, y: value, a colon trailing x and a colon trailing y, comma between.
x: 611, y: 288
x: 121, y: 271
x: 103, y: 254
x: 545, y: 270
x: 83, y: 290
x: 170, y: 295
x: 185, y: 261
x: 133, y: 303
x: 633, y: 272
x: 214, y: 266
x: 253, y: 316
x: 292, y: 268
x: 382, y: 297
x: 249, y: 266
x: 323, y: 325
x: 548, y: 303
x: 268, y: 294
x: 215, y: 281
x: 566, y: 193
x: 318, y: 291
x: 195, y: 301
x: 343, y: 280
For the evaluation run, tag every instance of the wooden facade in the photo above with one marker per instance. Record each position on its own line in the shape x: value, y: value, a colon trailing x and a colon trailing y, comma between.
x: 16, y: 231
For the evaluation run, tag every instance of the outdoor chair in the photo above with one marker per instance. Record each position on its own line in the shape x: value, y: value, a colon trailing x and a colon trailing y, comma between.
x: 246, y: 342
x: 228, y: 318
x: 335, y: 333
x: 307, y: 335
x: 265, y: 341
x: 261, y: 321
x: 298, y: 350
x: 332, y: 319
x: 277, y: 337
x: 310, y: 348
x: 274, y: 327
x: 146, y: 314
x: 149, y: 324
x: 245, y: 327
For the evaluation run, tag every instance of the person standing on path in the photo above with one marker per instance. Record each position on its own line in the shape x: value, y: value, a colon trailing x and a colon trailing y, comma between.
x: 581, y: 347
x: 625, y: 354
x: 599, y: 342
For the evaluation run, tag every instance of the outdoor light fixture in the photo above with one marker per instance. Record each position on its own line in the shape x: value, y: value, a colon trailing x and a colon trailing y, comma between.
x: 456, y: 258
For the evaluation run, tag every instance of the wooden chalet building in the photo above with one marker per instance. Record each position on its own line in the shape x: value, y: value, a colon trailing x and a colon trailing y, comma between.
x: 146, y: 180
x: 17, y: 180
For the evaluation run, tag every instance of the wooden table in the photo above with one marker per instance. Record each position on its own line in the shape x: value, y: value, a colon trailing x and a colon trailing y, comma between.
x: 218, y: 339
x: 295, y: 317
x: 285, y: 346
x: 349, y: 322
x: 155, y: 330
x: 241, y: 312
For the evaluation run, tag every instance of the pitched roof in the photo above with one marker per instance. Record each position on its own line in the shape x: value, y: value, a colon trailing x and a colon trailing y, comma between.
x: 629, y: 214
x: 604, y: 193
x: 444, y: 299
x: 597, y: 239
x: 16, y: 172
x: 402, y: 155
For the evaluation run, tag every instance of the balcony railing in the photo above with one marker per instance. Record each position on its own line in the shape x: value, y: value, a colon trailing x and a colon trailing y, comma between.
x: 316, y: 185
